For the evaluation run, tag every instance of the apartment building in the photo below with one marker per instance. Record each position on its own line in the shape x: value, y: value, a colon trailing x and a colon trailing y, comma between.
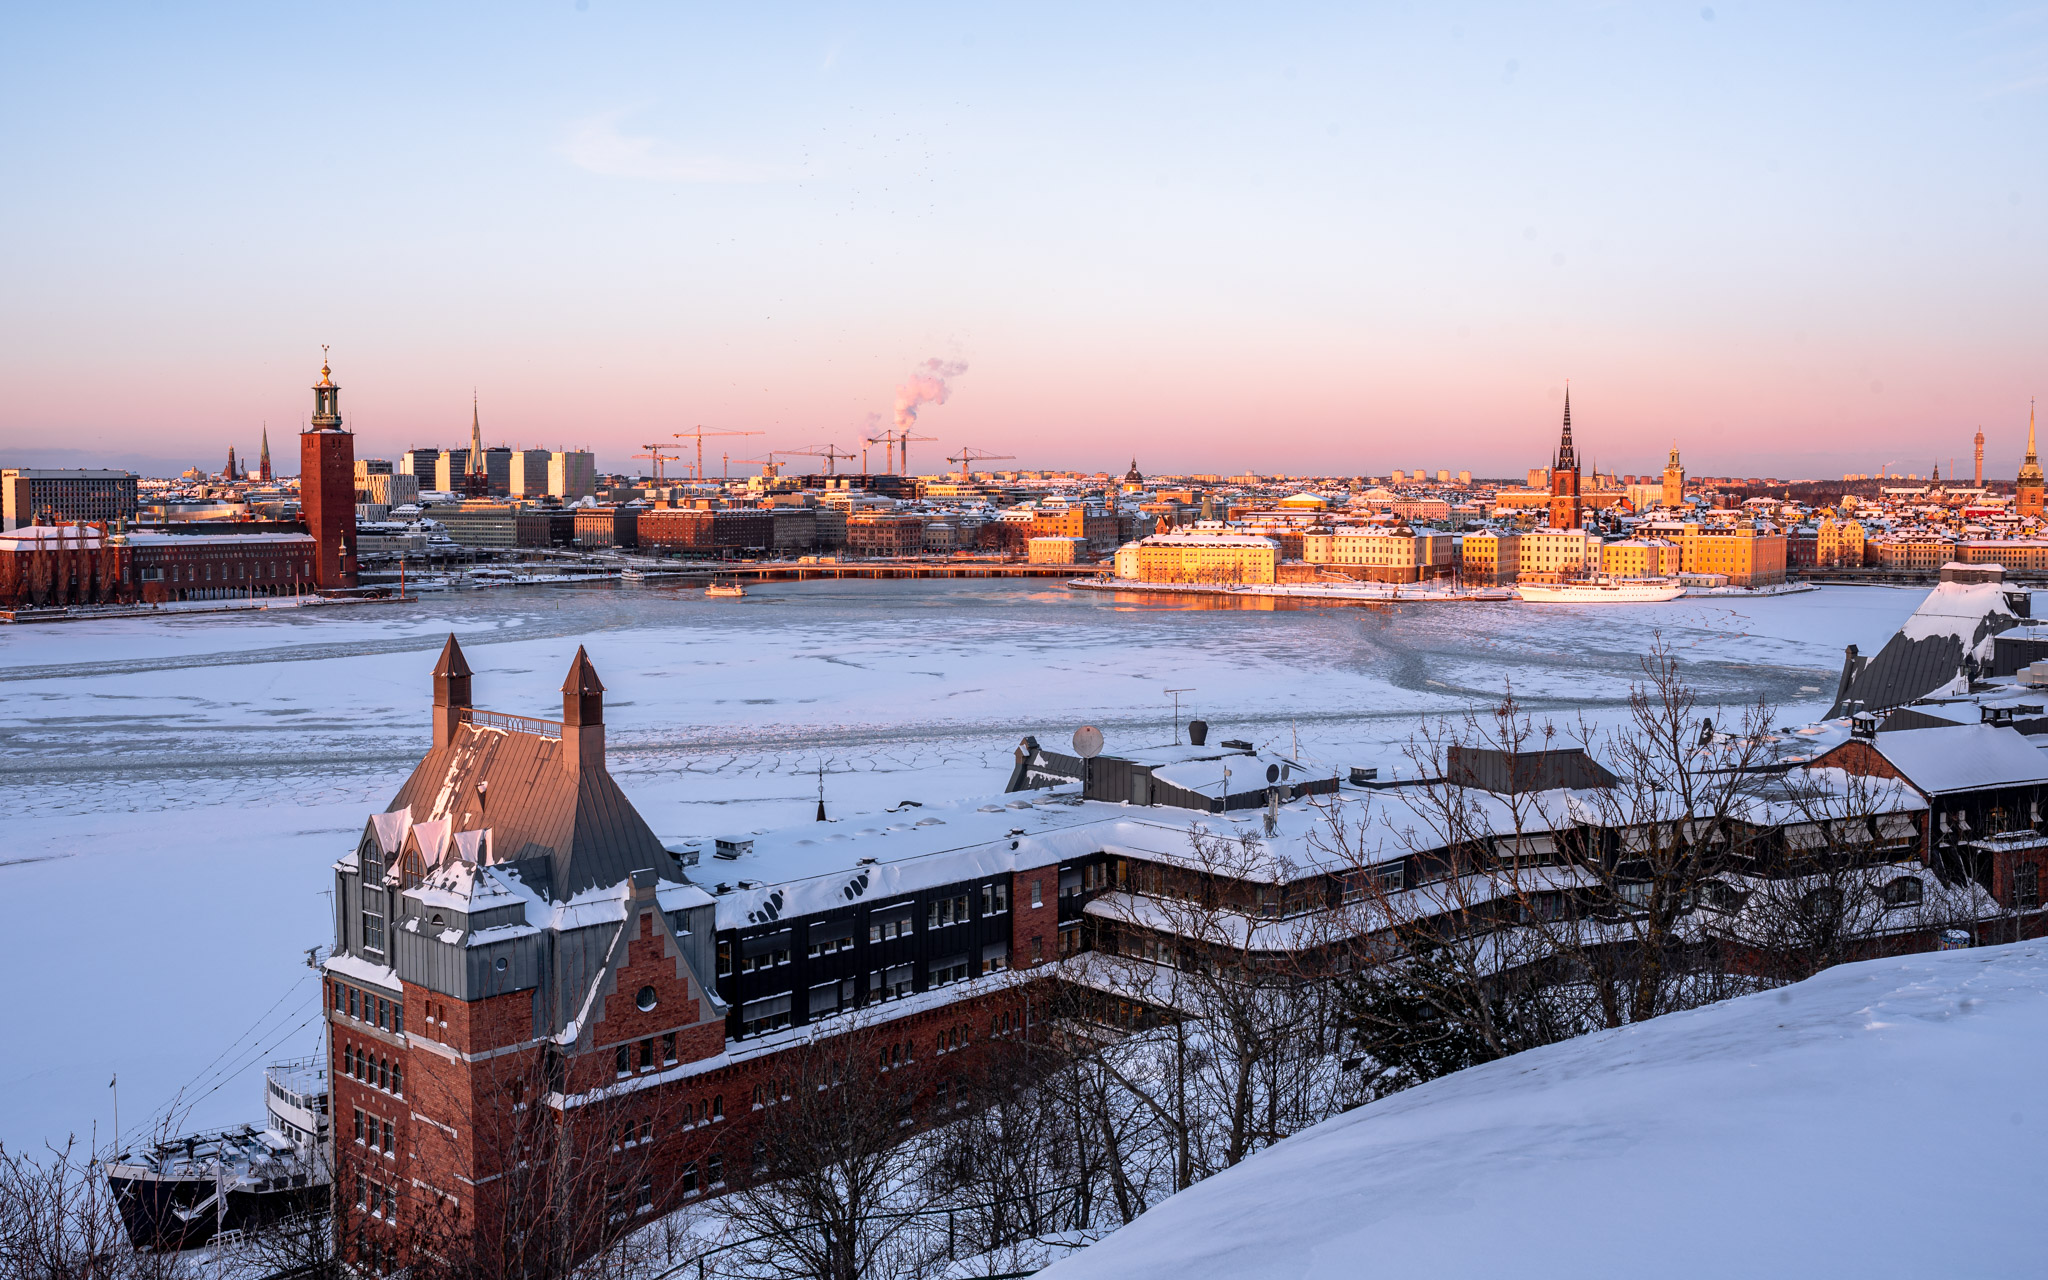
x: 1489, y: 558
x: 1199, y: 558
x: 1382, y: 555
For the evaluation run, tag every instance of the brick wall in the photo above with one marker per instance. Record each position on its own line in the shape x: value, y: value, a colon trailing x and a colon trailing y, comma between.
x: 1034, y: 930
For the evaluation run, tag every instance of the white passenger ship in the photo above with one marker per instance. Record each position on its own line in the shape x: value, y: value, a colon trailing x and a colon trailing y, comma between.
x: 1601, y: 591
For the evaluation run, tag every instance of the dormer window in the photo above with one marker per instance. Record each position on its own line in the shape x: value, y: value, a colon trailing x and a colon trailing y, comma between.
x: 373, y: 865
x: 436, y: 921
x: 415, y: 872
x: 1906, y: 891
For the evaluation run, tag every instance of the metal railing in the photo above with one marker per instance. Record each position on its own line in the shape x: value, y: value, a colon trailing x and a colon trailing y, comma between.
x: 515, y: 724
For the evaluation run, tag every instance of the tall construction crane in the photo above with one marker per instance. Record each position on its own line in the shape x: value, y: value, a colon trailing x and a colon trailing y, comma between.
x: 657, y: 453
x: 976, y: 455
x: 830, y: 453
x: 698, y: 433
x: 767, y: 464
x: 901, y: 440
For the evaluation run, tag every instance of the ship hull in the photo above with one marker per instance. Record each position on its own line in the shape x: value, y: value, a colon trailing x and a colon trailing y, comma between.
x: 1611, y: 593
x: 170, y: 1214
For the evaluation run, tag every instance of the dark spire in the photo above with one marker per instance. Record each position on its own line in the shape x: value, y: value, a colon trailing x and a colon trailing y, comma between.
x: 1567, y: 457
x: 451, y: 692
x: 452, y: 662
x: 582, y: 677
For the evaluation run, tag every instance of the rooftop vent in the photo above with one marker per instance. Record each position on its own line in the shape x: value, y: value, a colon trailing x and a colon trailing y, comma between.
x: 1361, y: 776
x: 730, y: 849
x: 1236, y: 744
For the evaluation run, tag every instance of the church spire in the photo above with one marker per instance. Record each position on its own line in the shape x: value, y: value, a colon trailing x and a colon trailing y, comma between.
x: 476, y: 439
x: 1567, y: 457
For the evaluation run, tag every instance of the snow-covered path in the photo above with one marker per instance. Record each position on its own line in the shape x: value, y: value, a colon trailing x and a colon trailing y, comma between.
x: 177, y: 788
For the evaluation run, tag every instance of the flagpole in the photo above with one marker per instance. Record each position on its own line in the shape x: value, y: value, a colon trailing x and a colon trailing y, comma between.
x: 115, y: 1085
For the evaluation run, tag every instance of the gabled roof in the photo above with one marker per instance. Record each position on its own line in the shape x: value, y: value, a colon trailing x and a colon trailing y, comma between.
x: 1964, y: 757
x: 578, y: 822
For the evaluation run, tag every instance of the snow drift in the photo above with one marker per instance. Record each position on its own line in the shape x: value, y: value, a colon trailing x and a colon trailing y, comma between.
x: 1881, y: 1119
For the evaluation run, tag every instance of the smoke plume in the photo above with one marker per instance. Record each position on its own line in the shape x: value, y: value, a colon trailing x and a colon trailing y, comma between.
x: 925, y: 385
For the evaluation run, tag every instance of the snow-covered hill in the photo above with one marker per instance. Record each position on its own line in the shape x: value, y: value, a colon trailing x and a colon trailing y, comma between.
x: 1882, y: 1119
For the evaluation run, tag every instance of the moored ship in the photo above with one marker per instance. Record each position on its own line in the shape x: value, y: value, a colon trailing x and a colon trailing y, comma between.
x: 181, y: 1193
x: 1601, y: 591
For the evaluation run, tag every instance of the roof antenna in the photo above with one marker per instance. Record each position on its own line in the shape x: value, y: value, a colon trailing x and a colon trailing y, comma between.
x: 821, y: 791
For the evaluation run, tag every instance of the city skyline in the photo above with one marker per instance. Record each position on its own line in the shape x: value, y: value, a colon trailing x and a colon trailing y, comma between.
x: 1310, y: 242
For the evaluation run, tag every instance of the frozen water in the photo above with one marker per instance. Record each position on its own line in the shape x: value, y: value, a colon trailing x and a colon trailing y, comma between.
x: 177, y: 788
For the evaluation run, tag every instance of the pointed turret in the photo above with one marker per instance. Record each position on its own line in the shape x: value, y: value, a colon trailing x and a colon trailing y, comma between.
x: 2027, y: 497
x: 263, y: 458
x: 451, y: 692
x: 582, y: 716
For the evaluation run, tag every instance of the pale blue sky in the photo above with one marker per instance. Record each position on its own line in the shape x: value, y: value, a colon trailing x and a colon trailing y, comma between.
x: 1796, y: 239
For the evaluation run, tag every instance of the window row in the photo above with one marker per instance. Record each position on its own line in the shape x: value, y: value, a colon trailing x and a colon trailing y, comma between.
x: 373, y: 1069
x: 629, y: 1058
x: 375, y: 1133
x: 376, y: 1011
x: 376, y: 1199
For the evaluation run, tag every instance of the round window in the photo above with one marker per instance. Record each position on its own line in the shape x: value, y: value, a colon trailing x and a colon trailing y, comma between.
x: 645, y: 999
x: 503, y: 964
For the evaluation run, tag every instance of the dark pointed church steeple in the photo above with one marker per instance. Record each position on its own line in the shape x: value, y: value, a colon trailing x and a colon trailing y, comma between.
x: 1567, y: 457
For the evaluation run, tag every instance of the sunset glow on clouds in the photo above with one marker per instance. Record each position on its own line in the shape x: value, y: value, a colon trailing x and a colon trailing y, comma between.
x: 1299, y: 239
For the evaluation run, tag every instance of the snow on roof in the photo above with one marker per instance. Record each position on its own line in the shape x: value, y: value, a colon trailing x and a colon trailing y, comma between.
x: 1841, y: 1126
x: 1972, y: 612
x: 1963, y: 757
x: 1205, y: 540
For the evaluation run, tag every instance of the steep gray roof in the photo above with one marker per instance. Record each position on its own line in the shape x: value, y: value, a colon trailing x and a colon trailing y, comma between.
x: 581, y: 825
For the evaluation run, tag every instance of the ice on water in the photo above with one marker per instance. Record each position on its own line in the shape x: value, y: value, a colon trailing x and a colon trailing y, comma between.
x: 178, y: 789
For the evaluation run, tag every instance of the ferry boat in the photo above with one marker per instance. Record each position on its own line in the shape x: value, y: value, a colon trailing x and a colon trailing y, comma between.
x: 632, y: 575
x: 725, y: 590
x: 1601, y: 591
x: 180, y: 1193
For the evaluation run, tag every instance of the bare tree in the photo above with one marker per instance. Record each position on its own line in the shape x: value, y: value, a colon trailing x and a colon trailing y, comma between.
x: 59, y: 1221
x: 825, y: 1191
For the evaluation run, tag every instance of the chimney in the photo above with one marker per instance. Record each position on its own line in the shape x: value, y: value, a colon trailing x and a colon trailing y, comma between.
x: 582, y: 716
x: 451, y: 692
x: 1198, y: 733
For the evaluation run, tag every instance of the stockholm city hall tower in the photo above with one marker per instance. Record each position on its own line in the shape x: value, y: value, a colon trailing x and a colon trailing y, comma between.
x: 327, y: 485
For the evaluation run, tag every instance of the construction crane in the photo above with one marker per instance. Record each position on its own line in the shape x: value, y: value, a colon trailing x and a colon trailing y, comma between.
x: 976, y: 455
x: 767, y: 464
x: 901, y: 441
x: 657, y: 453
x: 830, y: 453
x: 698, y: 433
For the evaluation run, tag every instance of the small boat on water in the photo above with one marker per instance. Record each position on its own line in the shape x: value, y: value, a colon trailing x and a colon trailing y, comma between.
x: 1601, y: 591
x: 632, y: 575
x: 725, y: 590
x: 180, y: 1193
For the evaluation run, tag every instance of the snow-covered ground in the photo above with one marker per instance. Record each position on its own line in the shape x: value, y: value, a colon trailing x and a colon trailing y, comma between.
x: 1882, y: 1119
x: 176, y: 788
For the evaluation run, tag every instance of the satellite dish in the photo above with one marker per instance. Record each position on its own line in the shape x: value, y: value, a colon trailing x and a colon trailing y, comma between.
x: 1272, y: 773
x: 1087, y: 742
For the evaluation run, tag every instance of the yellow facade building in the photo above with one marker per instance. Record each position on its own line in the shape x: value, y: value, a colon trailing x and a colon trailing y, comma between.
x: 1640, y: 558
x: 1489, y: 559
x: 1216, y: 560
x: 1838, y: 543
x: 1553, y: 555
x: 1382, y: 555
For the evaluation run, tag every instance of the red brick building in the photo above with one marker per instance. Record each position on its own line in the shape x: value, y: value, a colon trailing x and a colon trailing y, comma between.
x: 52, y: 566
x: 327, y: 486
x: 691, y: 530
